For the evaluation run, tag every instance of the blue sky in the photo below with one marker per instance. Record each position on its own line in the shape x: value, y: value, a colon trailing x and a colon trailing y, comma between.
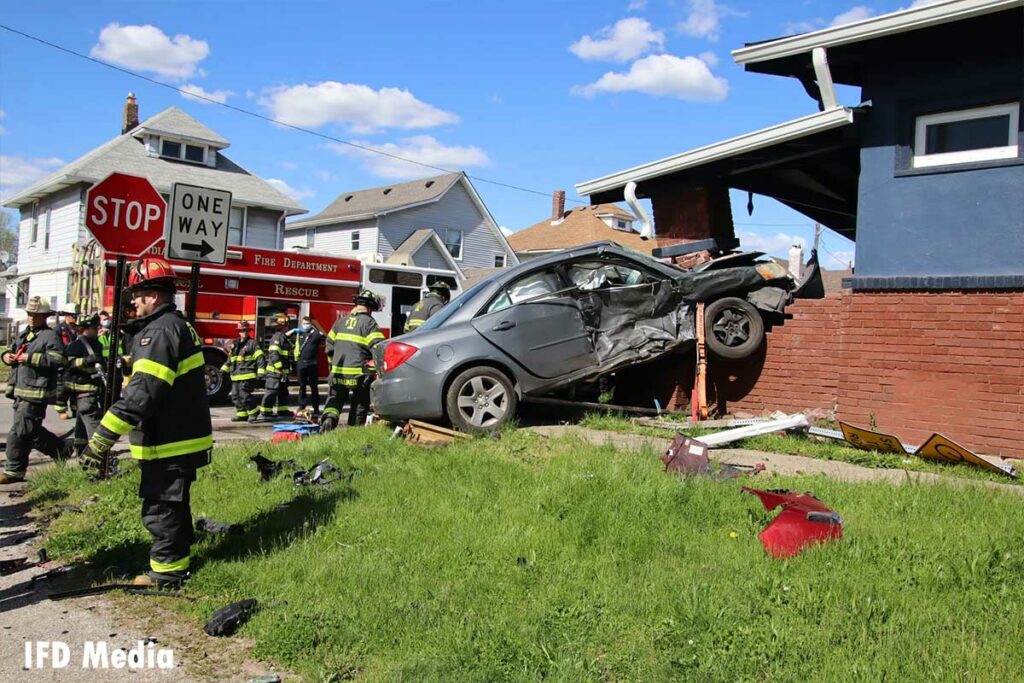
x: 536, y: 94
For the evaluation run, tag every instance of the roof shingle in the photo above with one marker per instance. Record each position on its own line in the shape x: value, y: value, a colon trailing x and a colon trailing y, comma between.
x: 382, y: 199
x: 579, y: 226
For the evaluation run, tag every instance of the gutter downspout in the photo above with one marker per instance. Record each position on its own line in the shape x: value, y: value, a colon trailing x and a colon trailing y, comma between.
x: 646, y: 228
x: 823, y: 76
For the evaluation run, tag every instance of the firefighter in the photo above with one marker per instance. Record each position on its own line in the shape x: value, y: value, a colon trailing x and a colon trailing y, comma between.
x: 36, y: 357
x: 105, y: 335
x: 67, y: 330
x: 348, y: 346
x: 245, y: 364
x: 307, y: 354
x: 83, y: 379
x: 279, y: 353
x: 165, y: 408
x: 439, y: 294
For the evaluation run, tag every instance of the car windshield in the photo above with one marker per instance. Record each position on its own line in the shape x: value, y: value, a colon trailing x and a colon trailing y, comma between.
x: 449, y: 310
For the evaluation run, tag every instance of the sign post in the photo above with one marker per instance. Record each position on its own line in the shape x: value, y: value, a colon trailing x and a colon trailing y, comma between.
x: 126, y: 215
x: 198, y: 231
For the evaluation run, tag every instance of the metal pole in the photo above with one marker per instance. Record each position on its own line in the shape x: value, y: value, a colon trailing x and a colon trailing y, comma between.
x: 193, y: 294
x: 113, y: 385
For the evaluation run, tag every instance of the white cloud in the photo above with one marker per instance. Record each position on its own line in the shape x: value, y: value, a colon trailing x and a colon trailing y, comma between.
x: 704, y: 19
x: 420, y: 148
x: 777, y: 244
x: 286, y: 189
x: 191, y: 90
x: 17, y: 173
x: 362, y: 108
x: 627, y: 39
x: 147, y: 48
x: 795, y: 27
x: 637, y: 6
x: 709, y: 58
x: 921, y: 3
x: 326, y: 176
x: 837, y: 260
x: 687, y: 78
x: 857, y: 13
x: 505, y: 231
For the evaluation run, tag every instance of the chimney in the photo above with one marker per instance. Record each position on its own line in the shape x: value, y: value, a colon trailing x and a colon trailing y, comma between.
x: 557, y: 206
x: 130, y: 117
x: 796, y: 260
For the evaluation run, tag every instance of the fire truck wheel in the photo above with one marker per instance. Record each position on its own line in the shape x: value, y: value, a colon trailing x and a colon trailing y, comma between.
x: 218, y: 385
x: 480, y: 400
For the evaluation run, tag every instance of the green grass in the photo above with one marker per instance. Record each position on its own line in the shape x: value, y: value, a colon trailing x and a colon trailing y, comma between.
x: 530, y: 558
x: 792, y: 444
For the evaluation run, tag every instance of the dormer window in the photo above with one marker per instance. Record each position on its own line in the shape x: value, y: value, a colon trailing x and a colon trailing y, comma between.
x: 174, y: 149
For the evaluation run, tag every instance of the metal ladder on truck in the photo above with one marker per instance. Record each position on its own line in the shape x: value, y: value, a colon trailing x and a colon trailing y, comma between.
x: 88, y: 276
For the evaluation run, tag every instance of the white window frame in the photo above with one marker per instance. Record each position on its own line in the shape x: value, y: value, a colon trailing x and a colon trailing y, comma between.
x: 504, y: 260
x: 245, y: 224
x: 462, y: 242
x: 356, y: 241
x: 1009, y: 151
x: 310, y: 238
x: 46, y: 229
x: 35, y: 223
x: 181, y: 151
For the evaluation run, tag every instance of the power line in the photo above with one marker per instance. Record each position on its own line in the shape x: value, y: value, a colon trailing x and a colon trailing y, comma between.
x: 269, y: 119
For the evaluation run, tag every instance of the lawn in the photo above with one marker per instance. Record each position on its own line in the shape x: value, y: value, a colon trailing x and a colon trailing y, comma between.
x: 529, y: 558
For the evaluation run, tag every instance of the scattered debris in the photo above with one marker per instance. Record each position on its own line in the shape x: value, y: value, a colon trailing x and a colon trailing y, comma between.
x: 110, y: 587
x: 317, y: 475
x: 703, y: 424
x: 804, y: 521
x: 213, y: 527
x: 686, y: 456
x: 268, y: 468
x: 270, y: 678
x: 939, y: 448
x: 868, y: 440
x: 227, y: 619
x: 545, y: 401
x: 795, y: 421
x: 426, y: 434
x: 16, y: 565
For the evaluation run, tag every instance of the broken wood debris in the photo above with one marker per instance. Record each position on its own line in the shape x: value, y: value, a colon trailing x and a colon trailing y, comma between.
x: 426, y: 434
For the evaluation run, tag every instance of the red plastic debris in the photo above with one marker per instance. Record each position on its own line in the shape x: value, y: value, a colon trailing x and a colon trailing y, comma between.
x: 278, y: 437
x: 804, y: 521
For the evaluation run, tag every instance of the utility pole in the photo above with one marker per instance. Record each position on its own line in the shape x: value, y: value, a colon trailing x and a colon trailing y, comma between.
x: 817, y: 235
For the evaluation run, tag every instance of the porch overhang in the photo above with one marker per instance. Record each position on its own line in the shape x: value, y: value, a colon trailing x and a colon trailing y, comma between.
x: 811, y: 164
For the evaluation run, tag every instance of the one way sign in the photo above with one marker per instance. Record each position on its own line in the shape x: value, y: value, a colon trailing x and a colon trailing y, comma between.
x: 198, y: 229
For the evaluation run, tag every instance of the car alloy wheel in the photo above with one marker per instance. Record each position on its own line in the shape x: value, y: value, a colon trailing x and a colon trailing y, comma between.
x: 480, y: 400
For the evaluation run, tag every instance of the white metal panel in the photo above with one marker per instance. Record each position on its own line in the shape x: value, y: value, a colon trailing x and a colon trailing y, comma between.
x: 337, y: 240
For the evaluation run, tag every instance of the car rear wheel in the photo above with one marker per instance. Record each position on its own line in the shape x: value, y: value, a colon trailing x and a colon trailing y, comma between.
x: 480, y: 399
x: 733, y: 328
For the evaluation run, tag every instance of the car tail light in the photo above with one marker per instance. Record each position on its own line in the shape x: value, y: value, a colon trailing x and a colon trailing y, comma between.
x: 397, y: 353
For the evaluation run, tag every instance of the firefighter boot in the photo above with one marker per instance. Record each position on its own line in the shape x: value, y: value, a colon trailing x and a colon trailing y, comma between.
x: 160, y: 580
x: 8, y: 478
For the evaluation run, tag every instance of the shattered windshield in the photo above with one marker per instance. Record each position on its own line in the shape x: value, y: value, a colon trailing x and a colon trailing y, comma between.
x: 596, y: 275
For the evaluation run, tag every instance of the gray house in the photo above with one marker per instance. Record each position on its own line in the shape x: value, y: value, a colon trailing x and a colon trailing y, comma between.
x: 167, y: 148
x: 438, y: 222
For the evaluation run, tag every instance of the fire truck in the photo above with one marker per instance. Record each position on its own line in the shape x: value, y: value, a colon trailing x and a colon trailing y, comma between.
x: 257, y: 284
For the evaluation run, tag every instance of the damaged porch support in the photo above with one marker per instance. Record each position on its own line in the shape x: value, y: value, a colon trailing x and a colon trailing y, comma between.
x: 685, y: 215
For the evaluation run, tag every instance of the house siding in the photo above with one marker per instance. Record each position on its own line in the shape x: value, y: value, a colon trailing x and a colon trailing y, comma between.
x: 957, y: 221
x: 430, y: 256
x: 454, y: 210
x: 261, y: 228
x: 337, y: 239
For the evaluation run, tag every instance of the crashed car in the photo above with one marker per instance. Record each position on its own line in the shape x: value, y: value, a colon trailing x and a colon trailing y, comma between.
x: 569, y: 317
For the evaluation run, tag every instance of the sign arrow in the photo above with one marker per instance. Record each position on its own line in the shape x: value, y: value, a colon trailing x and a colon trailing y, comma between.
x: 203, y: 248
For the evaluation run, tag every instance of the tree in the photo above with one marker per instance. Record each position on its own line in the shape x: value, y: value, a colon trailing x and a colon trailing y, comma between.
x: 8, y: 236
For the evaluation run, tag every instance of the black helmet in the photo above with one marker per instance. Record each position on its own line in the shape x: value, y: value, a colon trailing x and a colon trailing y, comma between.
x: 90, y: 321
x: 368, y: 299
x: 440, y: 286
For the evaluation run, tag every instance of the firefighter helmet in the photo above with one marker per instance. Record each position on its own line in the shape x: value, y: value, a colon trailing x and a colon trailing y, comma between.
x: 90, y: 321
x: 440, y: 286
x: 368, y: 299
x: 151, y: 273
x: 242, y: 325
x: 281, y: 319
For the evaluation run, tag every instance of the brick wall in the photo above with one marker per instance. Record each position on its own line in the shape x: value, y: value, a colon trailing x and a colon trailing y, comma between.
x: 918, y: 362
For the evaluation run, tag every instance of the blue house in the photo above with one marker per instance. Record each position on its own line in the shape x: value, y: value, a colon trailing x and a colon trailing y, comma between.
x: 925, y: 172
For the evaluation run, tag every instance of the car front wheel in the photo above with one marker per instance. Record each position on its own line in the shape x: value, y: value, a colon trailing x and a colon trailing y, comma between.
x: 733, y: 328
x: 480, y: 399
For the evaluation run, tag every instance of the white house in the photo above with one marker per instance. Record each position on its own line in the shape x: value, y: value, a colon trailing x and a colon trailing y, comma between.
x: 167, y: 148
x: 438, y: 222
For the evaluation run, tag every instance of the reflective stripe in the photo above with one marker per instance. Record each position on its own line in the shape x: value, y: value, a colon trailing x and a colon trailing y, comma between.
x: 331, y: 335
x: 243, y: 376
x: 151, y: 367
x: 169, y: 450
x: 413, y: 324
x: 340, y: 370
x: 242, y: 413
x: 356, y: 339
x: 75, y: 386
x: 331, y: 411
x: 273, y: 347
x: 25, y: 392
x: 115, y: 424
x: 57, y: 356
x: 254, y: 411
x: 258, y: 353
x: 194, y: 361
x: 166, y: 567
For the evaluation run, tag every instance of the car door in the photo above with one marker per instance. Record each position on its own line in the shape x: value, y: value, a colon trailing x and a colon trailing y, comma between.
x: 537, y: 323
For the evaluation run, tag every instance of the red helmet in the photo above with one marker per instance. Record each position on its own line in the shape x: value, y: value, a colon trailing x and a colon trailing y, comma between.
x: 151, y: 272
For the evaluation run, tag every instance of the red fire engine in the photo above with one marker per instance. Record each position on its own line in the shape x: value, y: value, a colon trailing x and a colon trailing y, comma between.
x: 257, y: 284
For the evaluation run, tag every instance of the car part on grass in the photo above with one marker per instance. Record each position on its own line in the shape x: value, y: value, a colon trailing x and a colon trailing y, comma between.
x: 804, y: 521
x: 426, y: 434
x: 110, y: 587
x: 14, y: 566
x: 268, y: 468
x: 213, y: 527
x: 269, y: 678
x: 732, y: 470
x: 318, y: 475
x: 689, y: 424
x: 795, y: 421
x: 686, y: 456
x: 226, y: 620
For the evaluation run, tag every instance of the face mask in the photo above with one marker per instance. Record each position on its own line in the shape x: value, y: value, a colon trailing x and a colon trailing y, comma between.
x: 306, y: 327
x: 105, y: 324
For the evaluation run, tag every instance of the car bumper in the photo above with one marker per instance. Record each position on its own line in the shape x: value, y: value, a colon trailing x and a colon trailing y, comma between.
x: 398, y: 397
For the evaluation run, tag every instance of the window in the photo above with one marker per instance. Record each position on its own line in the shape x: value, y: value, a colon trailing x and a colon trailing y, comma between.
x: 236, y: 225
x: 46, y: 230
x: 499, y: 260
x: 532, y: 286
x: 195, y: 153
x: 598, y: 275
x: 355, y: 240
x: 966, y: 136
x: 622, y: 225
x: 453, y: 243
x: 21, y: 295
x: 310, y: 238
x: 379, y: 276
x: 35, y: 222
x: 170, y: 148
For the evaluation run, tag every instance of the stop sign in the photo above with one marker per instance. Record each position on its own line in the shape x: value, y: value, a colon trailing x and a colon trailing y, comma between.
x: 125, y: 214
